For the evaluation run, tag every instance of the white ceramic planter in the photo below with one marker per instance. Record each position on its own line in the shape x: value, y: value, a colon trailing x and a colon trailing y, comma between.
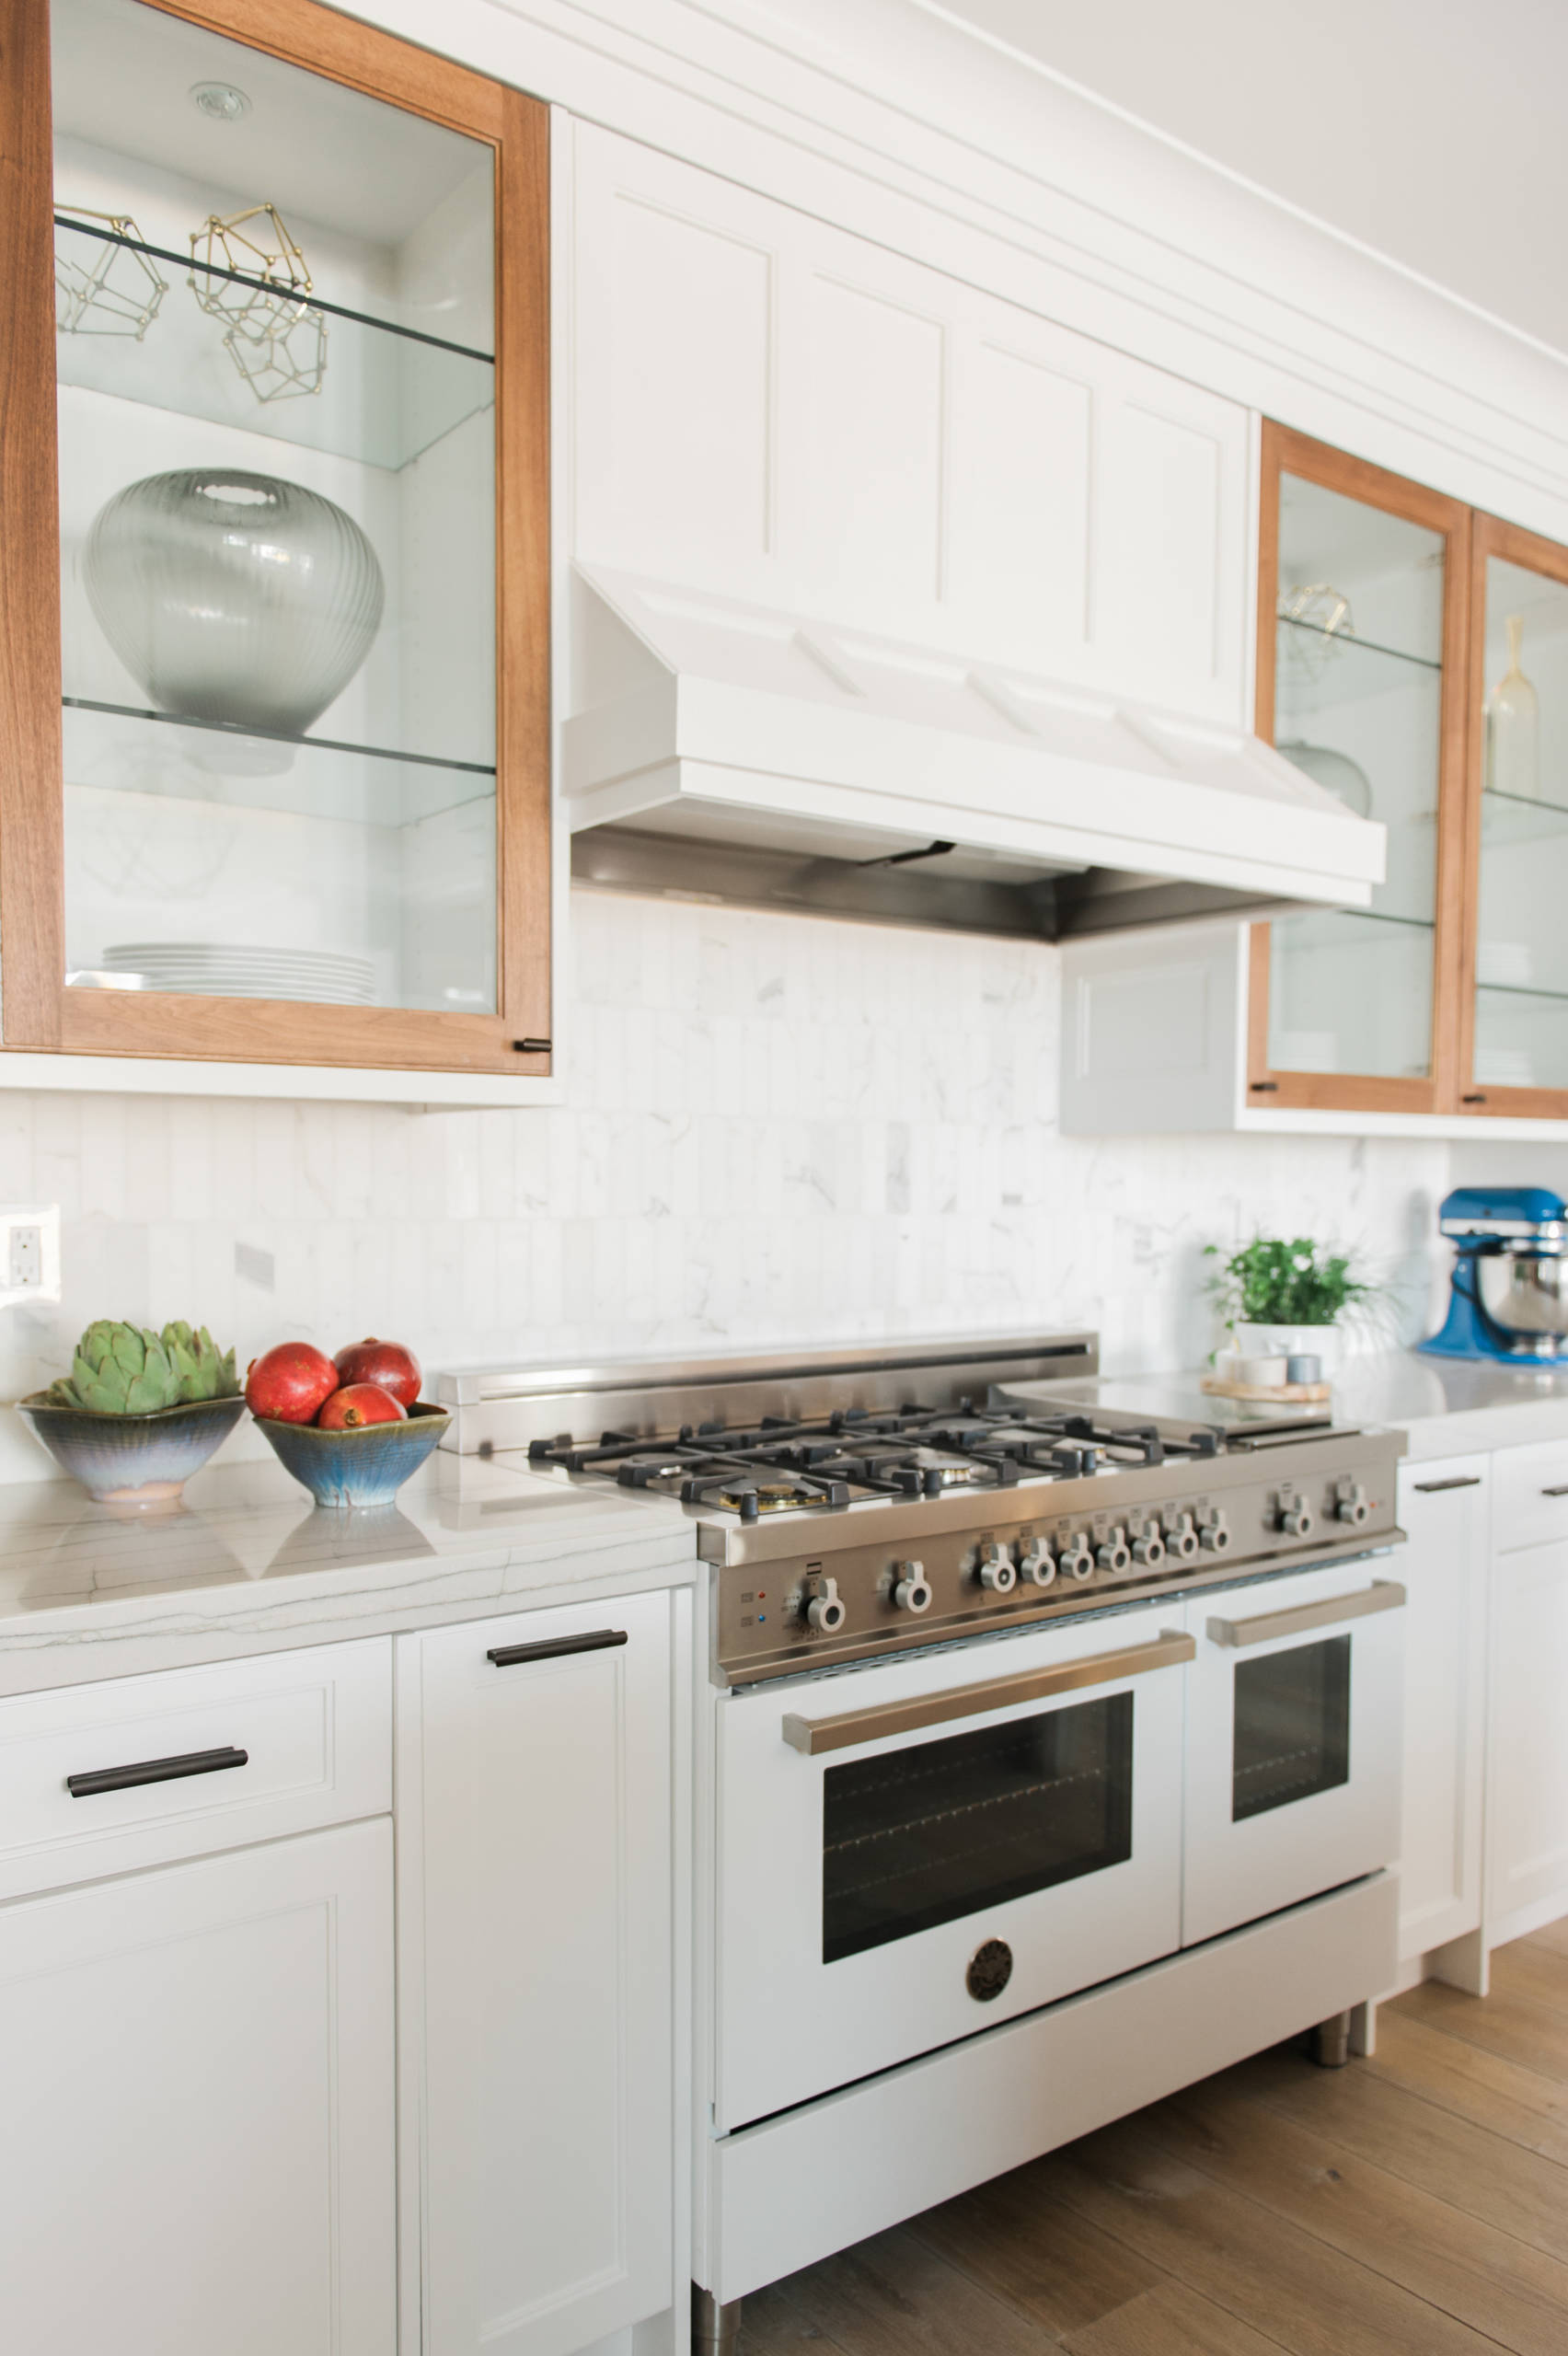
x: 1290, y: 1341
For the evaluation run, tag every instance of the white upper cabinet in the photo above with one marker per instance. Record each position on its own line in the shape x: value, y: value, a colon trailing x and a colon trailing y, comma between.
x: 780, y: 410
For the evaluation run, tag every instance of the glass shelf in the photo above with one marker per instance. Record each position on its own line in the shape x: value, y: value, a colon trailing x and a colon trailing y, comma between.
x: 126, y: 750
x: 1518, y: 818
x: 387, y: 392
x: 1350, y: 991
x: 1352, y: 669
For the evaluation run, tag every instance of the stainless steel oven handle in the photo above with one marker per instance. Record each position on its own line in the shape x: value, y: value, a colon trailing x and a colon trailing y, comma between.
x: 874, y: 1724
x: 1383, y: 1595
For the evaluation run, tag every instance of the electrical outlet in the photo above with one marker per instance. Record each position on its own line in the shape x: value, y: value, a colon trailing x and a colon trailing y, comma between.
x: 30, y: 1254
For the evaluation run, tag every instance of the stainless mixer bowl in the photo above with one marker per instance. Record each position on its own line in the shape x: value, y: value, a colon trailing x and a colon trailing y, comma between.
x: 1528, y: 1293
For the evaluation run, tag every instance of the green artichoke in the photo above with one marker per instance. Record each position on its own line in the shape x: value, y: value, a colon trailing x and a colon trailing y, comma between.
x: 130, y: 1371
x: 204, y: 1371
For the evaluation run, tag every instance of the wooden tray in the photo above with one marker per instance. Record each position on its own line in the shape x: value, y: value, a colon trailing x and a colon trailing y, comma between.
x: 1289, y: 1394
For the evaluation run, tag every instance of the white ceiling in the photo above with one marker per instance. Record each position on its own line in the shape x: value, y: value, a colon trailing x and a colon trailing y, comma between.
x: 1430, y: 130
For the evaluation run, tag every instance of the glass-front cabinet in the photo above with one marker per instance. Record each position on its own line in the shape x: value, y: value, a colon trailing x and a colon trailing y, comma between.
x: 275, y: 583
x: 1412, y: 657
x: 1364, y: 586
x: 1516, y: 1038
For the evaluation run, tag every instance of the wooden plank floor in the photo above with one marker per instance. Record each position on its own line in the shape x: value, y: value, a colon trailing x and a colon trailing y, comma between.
x: 1415, y: 2204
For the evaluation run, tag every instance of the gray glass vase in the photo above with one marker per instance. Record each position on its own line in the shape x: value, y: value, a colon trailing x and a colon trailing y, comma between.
x: 234, y: 596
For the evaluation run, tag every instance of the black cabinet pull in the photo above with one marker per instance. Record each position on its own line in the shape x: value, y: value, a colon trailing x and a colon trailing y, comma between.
x: 598, y: 1640
x: 1561, y: 1491
x: 1456, y: 1481
x: 155, y: 1771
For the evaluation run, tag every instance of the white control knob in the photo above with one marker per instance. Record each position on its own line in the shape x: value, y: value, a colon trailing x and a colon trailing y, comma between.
x: 1113, y: 1555
x: 825, y: 1613
x: 1076, y: 1560
x: 1213, y: 1535
x: 1350, y: 1504
x: 997, y: 1572
x: 1149, y: 1550
x: 1036, y: 1562
x: 912, y: 1589
x: 1295, y: 1518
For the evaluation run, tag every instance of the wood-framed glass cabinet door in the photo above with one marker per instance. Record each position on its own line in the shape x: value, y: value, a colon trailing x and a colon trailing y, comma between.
x: 274, y: 582
x: 1514, y: 1045
x: 1364, y: 589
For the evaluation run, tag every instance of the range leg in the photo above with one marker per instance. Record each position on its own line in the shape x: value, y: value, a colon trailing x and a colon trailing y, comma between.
x: 715, y: 2330
x: 1331, y: 2042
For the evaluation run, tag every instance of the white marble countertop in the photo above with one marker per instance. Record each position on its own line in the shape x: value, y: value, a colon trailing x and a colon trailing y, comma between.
x: 248, y: 1565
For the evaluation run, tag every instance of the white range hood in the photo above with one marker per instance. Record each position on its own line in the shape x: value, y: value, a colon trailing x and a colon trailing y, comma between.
x: 717, y: 749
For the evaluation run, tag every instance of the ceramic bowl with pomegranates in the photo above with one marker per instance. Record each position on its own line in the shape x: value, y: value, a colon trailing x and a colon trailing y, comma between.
x: 362, y: 1464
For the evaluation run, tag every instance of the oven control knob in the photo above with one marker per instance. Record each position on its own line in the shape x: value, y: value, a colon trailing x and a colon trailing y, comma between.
x: 1113, y: 1555
x: 997, y: 1572
x: 912, y: 1589
x: 1149, y: 1550
x: 1295, y: 1518
x: 825, y: 1613
x: 1036, y: 1562
x: 1350, y: 1504
x: 1076, y: 1560
x: 1214, y: 1531
x: 1180, y: 1538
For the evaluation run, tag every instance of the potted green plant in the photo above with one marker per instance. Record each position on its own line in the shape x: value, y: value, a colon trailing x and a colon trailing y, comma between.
x: 1286, y: 1299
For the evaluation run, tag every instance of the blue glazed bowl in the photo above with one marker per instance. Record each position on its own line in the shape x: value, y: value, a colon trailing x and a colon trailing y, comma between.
x: 365, y: 1466
x: 133, y: 1460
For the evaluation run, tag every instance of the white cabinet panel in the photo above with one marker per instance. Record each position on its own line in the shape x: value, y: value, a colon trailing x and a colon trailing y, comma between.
x: 197, y: 2065
x: 288, y: 1742
x: 1444, y: 1508
x: 1531, y: 1501
x: 872, y: 468
x: 1022, y: 461
x: 1163, y: 505
x: 1527, y: 1749
x: 689, y: 385
x: 534, y: 1863
x: 772, y: 408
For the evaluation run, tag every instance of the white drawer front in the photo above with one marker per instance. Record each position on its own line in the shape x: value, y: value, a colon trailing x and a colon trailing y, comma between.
x: 314, y: 1729
x: 1529, y: 1495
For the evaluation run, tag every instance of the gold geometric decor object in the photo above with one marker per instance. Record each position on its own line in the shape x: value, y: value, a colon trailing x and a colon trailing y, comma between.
x: 276, y: 338
x: 118, y: 291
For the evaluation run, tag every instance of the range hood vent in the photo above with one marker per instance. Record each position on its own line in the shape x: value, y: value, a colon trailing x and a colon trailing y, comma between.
x: 722, y: 751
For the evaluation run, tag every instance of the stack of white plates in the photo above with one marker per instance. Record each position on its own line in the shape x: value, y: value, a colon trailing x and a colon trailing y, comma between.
x: 220, y: 969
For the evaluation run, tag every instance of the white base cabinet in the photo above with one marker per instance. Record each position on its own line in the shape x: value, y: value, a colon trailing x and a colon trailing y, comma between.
x: 1527, y: 1862
x: 199, y: 2140
x: 1443, y: 1508
x: 536, y: 1979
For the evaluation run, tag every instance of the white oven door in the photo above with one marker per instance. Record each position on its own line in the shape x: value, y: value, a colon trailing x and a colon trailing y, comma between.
x: 914, y: 1850
x: 1294, y: 1733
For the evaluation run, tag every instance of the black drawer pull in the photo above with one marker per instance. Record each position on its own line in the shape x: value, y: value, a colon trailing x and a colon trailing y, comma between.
x: 155, y: 1771
x: 1561, y: 1491
x: 1457, y: 1481
x: 598, y: 1640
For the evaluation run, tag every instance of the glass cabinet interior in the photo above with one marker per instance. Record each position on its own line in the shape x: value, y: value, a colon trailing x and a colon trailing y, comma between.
x: 1521, y: 949
x: 275, y: 351
x: 1359, y: 706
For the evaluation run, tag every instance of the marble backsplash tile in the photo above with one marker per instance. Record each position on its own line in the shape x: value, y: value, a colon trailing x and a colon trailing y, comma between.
x: 779, y: 1129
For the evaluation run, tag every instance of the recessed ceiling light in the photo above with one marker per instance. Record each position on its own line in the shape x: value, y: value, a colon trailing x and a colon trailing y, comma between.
x: 220, y: 100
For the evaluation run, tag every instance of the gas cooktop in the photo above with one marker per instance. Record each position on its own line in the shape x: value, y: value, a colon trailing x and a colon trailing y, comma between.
x: 864, y: 1502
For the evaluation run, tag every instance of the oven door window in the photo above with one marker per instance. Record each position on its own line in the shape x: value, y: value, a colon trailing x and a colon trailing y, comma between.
x: 914, y: 1838
x: 1292, y: 1728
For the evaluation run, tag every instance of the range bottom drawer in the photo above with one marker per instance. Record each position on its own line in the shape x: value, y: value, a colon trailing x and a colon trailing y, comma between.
x: 106, y: 1779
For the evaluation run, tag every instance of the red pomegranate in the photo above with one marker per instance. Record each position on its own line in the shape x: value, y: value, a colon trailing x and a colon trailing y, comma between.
x: 389, y: 1363
x: 358, y: 1403
x: 289, y: 1383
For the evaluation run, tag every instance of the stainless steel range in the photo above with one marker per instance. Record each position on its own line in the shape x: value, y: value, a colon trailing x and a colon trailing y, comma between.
x: 1049, y: 1758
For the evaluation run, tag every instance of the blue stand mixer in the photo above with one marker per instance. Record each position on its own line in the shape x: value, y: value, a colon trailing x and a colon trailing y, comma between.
x: 1510, y: 1277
